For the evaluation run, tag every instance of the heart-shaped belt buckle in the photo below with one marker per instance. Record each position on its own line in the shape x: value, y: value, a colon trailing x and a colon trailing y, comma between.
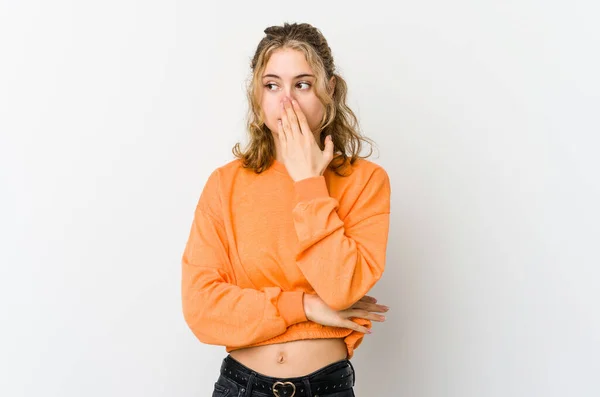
x: 283, y: 384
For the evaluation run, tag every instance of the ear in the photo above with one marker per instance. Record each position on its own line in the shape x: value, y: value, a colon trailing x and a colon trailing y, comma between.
x: 331, y: 85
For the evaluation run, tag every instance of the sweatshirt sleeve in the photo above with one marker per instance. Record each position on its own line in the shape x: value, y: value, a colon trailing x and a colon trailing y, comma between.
x: 342, y: 259
x: 216, y: 310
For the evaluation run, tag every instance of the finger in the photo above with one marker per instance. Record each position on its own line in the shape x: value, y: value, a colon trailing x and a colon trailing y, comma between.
x: 286, y: 123
x: 328, y: 151
x: 370, y: 307
x: 367, y: 315
x: 280, y: 133
x: 368, y: 298
x: 295, y: 127
x: 302, y: 121
x: 360, y: 305
x: 352, y: 325
x: 280, y: 129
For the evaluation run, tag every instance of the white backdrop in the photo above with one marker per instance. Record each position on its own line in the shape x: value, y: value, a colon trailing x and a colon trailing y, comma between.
x: 113, y: 114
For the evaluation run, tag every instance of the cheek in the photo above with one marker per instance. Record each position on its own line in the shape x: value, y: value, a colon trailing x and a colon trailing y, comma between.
x: 313, y: 111
x: 271, y: 109
x: 271, y: 112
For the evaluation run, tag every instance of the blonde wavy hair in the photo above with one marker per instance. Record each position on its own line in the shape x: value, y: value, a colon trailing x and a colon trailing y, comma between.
x: 338, y: 120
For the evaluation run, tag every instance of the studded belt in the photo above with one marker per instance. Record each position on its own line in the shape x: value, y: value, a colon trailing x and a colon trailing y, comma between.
x: 332, y: 378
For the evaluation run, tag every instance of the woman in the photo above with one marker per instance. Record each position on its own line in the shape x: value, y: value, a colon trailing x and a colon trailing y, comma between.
x: 288, y: 238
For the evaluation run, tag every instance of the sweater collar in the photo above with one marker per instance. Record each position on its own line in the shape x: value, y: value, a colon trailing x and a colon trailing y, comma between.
x: 280, y: 167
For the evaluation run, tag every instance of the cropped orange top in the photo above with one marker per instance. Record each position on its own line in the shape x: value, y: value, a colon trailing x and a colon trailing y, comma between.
x: 258, y: 242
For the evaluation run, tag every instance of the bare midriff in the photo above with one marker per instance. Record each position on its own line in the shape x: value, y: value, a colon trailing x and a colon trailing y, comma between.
x: 291, y: 359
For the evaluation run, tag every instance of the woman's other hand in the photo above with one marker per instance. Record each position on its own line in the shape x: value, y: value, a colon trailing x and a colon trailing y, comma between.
x: 318, y: 311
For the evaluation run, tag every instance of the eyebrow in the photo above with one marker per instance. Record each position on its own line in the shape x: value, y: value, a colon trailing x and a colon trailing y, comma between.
x: 297, y: 77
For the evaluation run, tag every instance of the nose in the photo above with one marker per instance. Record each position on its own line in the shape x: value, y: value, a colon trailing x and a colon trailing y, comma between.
x: 287, y: 93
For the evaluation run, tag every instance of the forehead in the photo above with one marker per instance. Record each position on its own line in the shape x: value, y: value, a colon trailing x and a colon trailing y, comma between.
x: 287, y: 63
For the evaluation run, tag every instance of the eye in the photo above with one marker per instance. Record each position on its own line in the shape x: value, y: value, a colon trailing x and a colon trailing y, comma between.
x: 303, y: 85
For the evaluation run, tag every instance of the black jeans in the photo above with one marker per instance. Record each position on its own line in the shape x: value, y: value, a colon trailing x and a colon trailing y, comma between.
x: 236, y: 380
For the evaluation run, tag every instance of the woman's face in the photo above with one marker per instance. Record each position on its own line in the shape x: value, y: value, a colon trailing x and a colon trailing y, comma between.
x: 288, y: 74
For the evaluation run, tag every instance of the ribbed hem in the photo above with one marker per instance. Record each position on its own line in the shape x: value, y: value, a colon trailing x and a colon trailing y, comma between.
x: 310, y: 188
x: 312, y: 330
x: 291, y: 307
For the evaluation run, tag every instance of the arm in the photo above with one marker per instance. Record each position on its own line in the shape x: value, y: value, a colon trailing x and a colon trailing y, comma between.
x: 216, y: 310
x: 342, y: 260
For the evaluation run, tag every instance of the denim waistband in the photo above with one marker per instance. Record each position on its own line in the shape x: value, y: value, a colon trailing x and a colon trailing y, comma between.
x: 334, y: 377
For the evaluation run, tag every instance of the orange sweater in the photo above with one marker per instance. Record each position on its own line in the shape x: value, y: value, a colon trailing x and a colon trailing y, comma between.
x: 258, y: 242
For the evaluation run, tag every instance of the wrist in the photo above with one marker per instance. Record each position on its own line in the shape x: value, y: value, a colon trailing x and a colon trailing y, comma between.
x: 307, y: 176
x: 310, y: 188
x: 306, y: 301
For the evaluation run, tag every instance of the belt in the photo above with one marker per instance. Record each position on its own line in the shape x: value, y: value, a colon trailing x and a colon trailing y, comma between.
x: 330, y: 379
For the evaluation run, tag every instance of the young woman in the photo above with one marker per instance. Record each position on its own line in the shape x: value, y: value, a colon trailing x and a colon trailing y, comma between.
x: 289, y: 237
